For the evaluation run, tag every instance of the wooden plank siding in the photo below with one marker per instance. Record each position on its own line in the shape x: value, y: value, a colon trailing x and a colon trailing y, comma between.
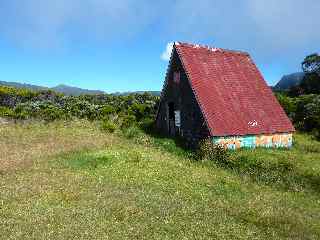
x: 193, y: 126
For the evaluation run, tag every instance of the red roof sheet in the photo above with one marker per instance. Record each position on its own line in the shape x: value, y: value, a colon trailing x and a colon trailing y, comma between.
x: 232, y: 94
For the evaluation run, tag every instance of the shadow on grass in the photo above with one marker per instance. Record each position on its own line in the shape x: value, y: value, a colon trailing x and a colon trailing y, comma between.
x: 175, y: 145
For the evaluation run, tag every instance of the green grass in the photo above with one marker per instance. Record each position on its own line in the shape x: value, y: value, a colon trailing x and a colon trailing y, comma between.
x: 106, y: 186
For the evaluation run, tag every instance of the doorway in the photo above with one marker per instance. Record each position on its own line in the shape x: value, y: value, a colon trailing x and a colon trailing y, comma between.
x: 171, y: 119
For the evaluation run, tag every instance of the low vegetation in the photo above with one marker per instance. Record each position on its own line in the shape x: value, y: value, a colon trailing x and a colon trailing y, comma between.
x: 302, y: 102
x: 72, y: 179
x: 23, y: 104
x: 304, y: 111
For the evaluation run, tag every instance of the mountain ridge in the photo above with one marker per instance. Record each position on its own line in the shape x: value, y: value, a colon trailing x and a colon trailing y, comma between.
x: 61, y: 88
x: 71, y: 90
x: 289, y: 80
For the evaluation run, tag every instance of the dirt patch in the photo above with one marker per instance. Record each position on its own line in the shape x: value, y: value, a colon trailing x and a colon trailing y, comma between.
x: 3, y: 121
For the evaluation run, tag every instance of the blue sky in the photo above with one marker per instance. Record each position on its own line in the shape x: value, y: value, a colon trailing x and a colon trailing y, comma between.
x: 118, y: 45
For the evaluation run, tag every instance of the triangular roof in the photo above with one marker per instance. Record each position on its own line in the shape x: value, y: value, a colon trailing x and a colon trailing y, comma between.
x: 231, y: 92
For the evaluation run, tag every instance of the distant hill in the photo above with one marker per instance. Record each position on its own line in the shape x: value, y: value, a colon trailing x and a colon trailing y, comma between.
x: 75, y: 91
x: 289, y: 81
x: 71, y: 91
x: 23, y: 85
x: 65, y: 89
x: 154, y: 93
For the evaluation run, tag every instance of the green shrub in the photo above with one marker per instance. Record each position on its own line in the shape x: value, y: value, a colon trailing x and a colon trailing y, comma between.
x: 131, y: 132
x: 81, y: 108
x: 22, y: 111
x: 128, y: 121
x: 288, y: 104
x: 207, y: 150
x: 6, y: 112
x: 106, y: 111
x: 148, y: 125
x: 108, y: 126
x: 50, y: 113
x: 303, y: 110
x: 48, y: 105
x: 140, y: 111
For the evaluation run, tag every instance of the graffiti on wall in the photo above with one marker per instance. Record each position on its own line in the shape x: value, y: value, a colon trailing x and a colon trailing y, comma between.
x: 280, y: 140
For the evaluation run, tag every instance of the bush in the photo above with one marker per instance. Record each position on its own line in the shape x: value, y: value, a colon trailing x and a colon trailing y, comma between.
x: 79, y: 108
x: 108, y: 126
x: 106, y: 111
x: 303, y: 110
x: 288, y: 104
x: 207, y: 150
x: 140, y: 111
x: 131, y: 132
x: 22, y: 111
x: 6, y: 112
x: 148, y: 125
x: 50, y: 113
x: 128, y: 121
x: 47, y: 105
x: 311, y: 83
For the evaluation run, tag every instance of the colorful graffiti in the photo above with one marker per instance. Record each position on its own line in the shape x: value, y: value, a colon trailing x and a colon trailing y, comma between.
x: 280, y: 140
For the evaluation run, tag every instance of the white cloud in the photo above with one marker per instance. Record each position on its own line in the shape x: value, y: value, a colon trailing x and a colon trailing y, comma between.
x: 165, y: 56
x: 266, y: 28
x: 274, y: 32
x: 285, y: 24
x: 45, y: 23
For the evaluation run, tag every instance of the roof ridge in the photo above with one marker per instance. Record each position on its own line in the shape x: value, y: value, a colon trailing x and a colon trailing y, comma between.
x: 214, y: 49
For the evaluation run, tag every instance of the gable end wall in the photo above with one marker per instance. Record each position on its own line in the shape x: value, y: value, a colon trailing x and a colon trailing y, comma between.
x: 193, y: 126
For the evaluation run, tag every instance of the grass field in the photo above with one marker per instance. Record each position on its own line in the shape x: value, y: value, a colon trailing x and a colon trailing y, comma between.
x: 72, y: 181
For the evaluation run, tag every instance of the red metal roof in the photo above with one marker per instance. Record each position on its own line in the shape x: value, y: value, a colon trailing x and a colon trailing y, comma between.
x: 232, y: 94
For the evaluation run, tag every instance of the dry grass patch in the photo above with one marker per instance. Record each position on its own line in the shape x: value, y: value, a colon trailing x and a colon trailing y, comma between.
x: 22, y: 144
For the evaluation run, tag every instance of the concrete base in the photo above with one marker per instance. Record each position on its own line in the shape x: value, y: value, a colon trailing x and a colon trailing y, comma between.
x: 279, y: 140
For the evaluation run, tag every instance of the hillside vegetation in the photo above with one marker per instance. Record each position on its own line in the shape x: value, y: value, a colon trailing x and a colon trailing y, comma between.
x: 67, y: 180
x: 302, y: 101
x: 62, y: 88
x: 113, y: 110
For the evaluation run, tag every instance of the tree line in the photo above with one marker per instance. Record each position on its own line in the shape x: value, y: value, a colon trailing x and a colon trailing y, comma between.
x: 122, y: 111
x: 302, y: 102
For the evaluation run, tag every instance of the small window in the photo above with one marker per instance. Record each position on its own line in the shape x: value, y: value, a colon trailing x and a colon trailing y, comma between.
x: 176, y: 77
x: 177, y: 118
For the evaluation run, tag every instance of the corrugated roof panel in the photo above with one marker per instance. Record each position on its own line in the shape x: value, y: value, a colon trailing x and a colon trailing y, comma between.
x: 232, y: 94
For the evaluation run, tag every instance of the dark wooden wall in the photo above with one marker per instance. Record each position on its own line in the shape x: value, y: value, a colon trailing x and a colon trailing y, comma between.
x: 193, y: 127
